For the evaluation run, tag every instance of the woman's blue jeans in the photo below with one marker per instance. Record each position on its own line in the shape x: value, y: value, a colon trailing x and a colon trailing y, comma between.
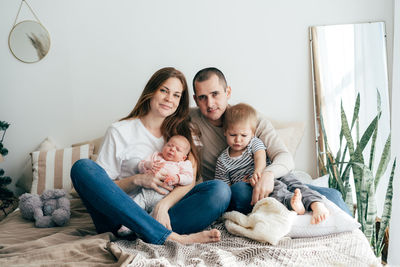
x: 242, y: 193
x: 110, y: 207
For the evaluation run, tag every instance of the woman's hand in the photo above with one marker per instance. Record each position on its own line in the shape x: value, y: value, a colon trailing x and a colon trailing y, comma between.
x: 146, y: 180
x: 149, y: 180
x: 160, y: 213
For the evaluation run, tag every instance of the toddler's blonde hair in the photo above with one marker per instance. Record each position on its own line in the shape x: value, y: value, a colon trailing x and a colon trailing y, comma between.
x: 240, y: 113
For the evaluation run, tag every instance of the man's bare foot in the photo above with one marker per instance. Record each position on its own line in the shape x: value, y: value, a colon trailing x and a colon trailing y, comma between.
x: 320, y: 212
x: 212, y: 235
x: 296, y: 203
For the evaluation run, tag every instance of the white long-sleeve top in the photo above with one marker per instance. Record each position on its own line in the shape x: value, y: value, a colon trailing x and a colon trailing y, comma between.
x: 125, y: 144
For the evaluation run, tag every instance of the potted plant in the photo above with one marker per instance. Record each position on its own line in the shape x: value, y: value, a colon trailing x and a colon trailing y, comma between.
x: 7, y: 200
x: 349, y: 163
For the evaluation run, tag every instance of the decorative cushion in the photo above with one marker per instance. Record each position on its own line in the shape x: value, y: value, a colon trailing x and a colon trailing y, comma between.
x: 337, y: 222
x: 51, y: 169
x: 96, y: 144
x: 291, y: 133
x: 47, y: 144
x: 25, y: 181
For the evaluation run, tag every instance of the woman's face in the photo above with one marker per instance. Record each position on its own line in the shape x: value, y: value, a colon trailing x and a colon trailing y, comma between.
x: 166, y: 99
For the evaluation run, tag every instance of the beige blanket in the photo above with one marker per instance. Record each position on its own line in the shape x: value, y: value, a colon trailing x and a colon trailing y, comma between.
x: 77, y: 244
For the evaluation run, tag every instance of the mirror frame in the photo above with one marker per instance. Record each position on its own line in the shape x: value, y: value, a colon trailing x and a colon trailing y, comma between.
x: 14, y: 53
x: 315, y: 72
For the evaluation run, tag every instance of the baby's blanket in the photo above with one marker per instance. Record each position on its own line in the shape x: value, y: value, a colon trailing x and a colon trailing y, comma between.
x: 269, y: 221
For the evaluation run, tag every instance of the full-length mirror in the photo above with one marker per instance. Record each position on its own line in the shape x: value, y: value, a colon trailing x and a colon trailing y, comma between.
x: 349, y: 65
x: 29, y: 41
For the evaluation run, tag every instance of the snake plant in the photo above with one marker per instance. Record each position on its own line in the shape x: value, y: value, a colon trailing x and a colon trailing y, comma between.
x: 349, y: 160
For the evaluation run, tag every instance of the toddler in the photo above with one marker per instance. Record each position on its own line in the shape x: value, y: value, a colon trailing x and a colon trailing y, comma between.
x: 171, y: 165
x: 245, y: 159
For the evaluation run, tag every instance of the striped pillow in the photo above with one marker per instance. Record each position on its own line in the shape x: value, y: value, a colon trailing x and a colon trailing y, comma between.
x: 51, y: 169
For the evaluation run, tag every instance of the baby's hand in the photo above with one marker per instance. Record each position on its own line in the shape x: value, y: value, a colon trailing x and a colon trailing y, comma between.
x: 171, y: 180
x: 157, y: 166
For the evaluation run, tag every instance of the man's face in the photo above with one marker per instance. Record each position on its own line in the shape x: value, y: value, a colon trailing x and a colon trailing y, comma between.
x: 212, y: 99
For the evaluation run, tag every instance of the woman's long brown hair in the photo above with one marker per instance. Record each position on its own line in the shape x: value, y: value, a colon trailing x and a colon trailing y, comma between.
x: 176, y: 123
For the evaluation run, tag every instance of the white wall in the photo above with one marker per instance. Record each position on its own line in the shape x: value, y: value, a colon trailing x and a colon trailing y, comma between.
x: 103, y: 52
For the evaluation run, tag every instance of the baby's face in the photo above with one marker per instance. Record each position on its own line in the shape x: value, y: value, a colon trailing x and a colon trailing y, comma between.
x: 176, y: 149
x: 238, y: 136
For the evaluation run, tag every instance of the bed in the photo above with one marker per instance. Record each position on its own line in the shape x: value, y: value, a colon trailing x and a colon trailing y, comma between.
x: 78, y: 244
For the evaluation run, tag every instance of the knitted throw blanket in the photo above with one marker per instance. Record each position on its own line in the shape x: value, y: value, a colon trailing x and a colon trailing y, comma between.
x: 344, y: 249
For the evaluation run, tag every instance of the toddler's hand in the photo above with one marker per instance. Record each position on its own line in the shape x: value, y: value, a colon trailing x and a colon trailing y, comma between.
x: 252, y: 180
x: 255, y: 178
x: 148, y: 165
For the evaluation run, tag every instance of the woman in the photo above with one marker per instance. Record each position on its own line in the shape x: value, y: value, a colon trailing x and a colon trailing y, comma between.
x: 161, y: 111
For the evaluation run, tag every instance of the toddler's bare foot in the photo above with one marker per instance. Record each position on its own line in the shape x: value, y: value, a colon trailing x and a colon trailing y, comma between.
x: 296, y: 203
x: 320, y: 212
x: 212, y: 235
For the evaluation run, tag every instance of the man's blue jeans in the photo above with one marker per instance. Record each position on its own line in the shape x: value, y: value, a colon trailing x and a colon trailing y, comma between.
x: 242, y: 192
x: 110, y: 207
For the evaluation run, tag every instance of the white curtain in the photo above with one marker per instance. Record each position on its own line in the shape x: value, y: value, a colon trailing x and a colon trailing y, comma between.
x: 394, y: 240
x: 371, y: 75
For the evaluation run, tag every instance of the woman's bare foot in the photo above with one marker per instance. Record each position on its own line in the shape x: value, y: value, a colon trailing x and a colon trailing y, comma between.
x: 212, y: 235
x: 320, y: 212
x: 296, y: 203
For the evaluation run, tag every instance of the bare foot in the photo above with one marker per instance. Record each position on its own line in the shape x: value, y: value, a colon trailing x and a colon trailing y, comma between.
x: 320, y: 212
x: 296, y: 203
x: 212, y: 235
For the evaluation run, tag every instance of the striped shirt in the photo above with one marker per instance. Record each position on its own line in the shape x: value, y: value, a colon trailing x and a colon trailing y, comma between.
x: 233, y: 170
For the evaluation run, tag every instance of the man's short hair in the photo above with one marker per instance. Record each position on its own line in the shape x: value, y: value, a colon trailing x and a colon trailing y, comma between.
x: 205, y: 74
x: 240, y: 113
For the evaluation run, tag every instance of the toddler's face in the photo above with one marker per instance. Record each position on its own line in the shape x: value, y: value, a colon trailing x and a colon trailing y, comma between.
x: 238, y: 136
x: 176, y: 149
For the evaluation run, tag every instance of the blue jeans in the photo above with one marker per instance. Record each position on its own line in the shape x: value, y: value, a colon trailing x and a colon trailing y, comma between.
x: 242, y: 192
x: 110, y: 207
x: 333, y: 195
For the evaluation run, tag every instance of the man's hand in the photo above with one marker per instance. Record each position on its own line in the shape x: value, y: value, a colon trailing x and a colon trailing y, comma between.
x: 263, y: 187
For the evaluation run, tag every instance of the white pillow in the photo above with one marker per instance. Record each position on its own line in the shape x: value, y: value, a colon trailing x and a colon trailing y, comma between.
x: 290, y: 133
x: 305, y: 178
x: 337, y: 222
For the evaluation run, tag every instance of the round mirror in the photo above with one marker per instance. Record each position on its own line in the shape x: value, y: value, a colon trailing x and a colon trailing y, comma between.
x: 29, y: 41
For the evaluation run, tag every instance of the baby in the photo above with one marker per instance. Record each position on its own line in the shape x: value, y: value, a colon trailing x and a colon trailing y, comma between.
x: 171, y: 165
x: 245, y: 159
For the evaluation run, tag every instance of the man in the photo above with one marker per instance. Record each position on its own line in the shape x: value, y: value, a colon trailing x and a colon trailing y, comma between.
x: 211, y: 94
